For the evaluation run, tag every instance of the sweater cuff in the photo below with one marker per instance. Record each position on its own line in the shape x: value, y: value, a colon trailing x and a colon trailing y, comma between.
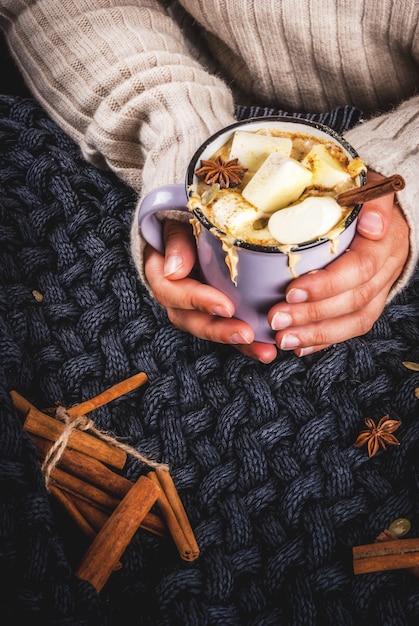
x: 384, y: 145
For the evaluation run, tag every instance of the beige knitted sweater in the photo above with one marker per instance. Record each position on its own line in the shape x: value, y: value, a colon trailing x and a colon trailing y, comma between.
x: 140, y: 84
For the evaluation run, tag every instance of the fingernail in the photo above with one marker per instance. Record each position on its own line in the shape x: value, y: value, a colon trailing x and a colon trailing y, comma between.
x: 289, y: 342
x: 371, y: 222
x: 221, y: 311
x: 296, y: 295
x: 267, y: 360
x: 281, y: 321
x: 305, y: 351
x: 238, y: 338
x: 172, y: 264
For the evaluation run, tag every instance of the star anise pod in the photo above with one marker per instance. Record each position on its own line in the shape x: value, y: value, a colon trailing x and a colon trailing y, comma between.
x: 226, y: 173
x: 378, y: 435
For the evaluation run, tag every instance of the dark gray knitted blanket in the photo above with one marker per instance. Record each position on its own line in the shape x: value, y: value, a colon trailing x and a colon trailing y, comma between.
x: 263, y: 455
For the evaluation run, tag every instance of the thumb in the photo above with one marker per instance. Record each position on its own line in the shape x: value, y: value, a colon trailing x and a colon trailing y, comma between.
x: 180, y: 249
x: 371, y: 224
x: 375, y: 216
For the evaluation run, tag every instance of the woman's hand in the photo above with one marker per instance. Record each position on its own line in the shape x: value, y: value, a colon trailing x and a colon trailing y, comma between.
x: 345, y: 299
x: 325, y: 307
x: 192, y: 306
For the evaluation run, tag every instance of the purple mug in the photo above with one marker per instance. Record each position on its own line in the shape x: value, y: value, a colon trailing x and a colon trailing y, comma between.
x: 263, y: 272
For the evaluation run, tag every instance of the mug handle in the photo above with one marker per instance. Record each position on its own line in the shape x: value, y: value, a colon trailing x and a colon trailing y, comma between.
x: 166, y: 198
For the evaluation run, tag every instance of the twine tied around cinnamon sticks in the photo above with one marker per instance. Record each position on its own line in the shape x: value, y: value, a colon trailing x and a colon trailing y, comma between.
x: 82, y: 422
x: 75, y: 457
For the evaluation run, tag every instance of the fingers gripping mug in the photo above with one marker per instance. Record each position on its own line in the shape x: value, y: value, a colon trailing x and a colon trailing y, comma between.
x: 265, y: 213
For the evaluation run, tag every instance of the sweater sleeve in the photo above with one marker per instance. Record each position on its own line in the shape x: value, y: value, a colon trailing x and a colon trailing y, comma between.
x: 121, y: 80
x: 388, y: 145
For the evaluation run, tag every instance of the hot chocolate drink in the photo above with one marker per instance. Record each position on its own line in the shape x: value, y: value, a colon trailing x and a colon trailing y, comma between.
x: 262, y: 199
x: 275, y: 188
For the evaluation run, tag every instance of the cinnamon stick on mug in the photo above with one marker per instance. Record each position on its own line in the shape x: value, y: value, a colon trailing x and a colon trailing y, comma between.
x: 371, y: 191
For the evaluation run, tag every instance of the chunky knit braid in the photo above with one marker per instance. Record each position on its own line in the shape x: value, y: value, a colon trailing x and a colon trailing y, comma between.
x: 262, y: 455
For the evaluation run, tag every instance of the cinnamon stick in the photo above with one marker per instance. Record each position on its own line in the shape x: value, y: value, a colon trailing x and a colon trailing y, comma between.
x: 114, y: 392
x: 94, y: 515
x: 392, y: 554
x: 75, y: 486
x: 110, y: 543
x: 87, y: 468
x: 37, y: 423
x: 76, y: 516
x: 40, y: 424
x: 73, y: 511
x: 97, y: 517
x: 175, y: 515
x: 371, y: 191
x: 97, y: 474
x: 388, y: 534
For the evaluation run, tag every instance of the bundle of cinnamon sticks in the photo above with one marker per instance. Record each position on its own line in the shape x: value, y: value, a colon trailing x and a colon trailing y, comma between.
x: 106, y: 506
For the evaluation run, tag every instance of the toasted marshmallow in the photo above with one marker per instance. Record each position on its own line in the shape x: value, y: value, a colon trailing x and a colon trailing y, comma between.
x: 305, y: 221
x: 232, y: 214
x: 279, y: 181
x: 251, y: 149
x: 327, y: 171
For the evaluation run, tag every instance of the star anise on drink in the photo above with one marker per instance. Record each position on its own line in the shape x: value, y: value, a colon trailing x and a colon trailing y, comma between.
x: 378, y: 435
x: 226, y: 173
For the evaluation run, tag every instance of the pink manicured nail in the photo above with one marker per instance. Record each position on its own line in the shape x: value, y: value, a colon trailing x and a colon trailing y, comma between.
x: 280, y: 321
x: 296, y: 295
x: 172, y: 264
x: 221, y: 311
x: 305, y: 351
x: 238, y: 338
x: 371, y: 222
x: 289, y: 342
